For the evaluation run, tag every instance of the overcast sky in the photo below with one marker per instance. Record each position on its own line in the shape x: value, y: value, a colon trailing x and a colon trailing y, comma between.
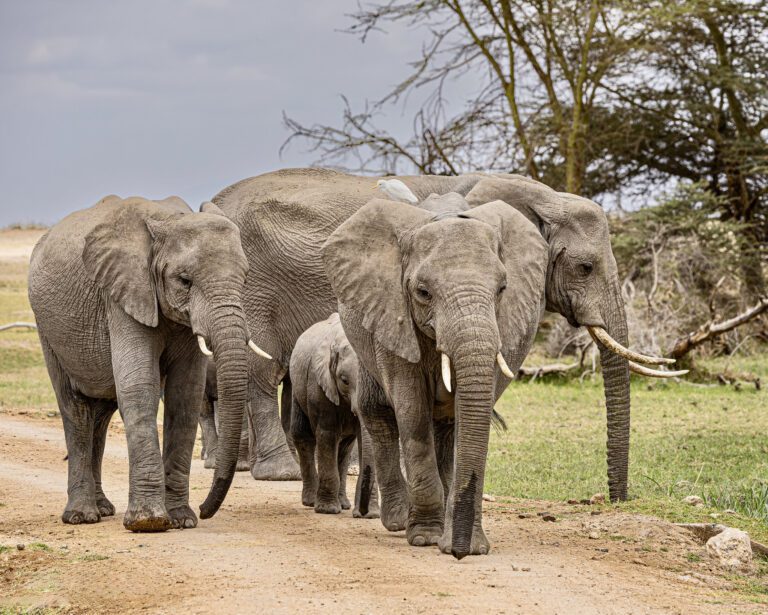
x: 159, y: 97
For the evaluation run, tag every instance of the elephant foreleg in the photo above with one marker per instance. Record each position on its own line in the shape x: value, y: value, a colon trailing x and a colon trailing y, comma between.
x: 208, y: 429
x: 327, y: 500
x: 270, y: 457
x: 304, y: 437
x: 380, y: 421
x: 104, y: 411
x: 184, y: 386
x: 345, y: 452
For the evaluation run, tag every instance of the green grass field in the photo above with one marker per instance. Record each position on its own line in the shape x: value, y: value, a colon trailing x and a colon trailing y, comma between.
x: 686, y: 439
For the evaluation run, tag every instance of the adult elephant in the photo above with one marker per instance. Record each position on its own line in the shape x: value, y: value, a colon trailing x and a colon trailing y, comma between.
x: 430, y: 296
x: 286, y: 216
x: 126, y: 295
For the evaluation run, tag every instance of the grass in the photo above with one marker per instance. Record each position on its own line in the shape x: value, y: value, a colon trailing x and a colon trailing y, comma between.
x: 686, y: 440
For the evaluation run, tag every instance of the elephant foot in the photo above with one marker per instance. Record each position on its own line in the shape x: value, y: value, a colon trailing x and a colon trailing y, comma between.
x: 423, y: 535
x: 77, y: 513
x: 373, y: 513
x: 478, y: 546
x: 394, y: 515
x: 344, y: 501
x: 210, y: 462
x: 106, y: 508
x: 242, y: 465
x: 328, y: 508
x: 280, y: 467
x: 182, y: 517
x: 147, y: 517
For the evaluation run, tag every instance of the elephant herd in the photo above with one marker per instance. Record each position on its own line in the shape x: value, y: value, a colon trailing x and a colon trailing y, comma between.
x: 396, y: 323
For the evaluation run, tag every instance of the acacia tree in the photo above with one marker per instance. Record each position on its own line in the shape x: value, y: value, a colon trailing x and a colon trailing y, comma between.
x: 699, y: 111
x: 541, y: 107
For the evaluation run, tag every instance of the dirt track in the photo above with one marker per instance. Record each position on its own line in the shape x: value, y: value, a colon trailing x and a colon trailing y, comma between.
x: 264, y: 552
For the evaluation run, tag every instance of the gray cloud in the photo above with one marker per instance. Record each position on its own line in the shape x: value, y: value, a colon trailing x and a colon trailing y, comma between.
x: 170, y: 96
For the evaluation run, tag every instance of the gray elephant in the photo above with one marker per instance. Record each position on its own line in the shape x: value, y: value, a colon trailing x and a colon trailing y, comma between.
x: 441, y: 304
x: 324, y: 423
x: 209, y: 425
x: 286, y: 216
x: 127, y: 294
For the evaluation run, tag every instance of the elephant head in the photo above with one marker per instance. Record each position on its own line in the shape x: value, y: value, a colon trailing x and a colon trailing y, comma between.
x: 335, y: 364
x: 582, y: 285
x: 190, y: 268
x: 467, y: 286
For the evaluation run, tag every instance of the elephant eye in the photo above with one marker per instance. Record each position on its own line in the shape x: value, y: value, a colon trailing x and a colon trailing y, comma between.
x: 423, y: 293
x: 502, y: 288
x: 344, y: 379
x: 586, y: 268
x: 186, y: 282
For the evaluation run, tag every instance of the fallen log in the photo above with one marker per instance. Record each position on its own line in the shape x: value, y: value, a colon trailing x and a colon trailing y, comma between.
x: 543, y: 370
x: 712, y: 329
x: 11, y: 325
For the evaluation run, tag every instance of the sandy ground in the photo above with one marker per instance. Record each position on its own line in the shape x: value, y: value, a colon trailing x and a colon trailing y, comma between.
x: 265, y: 552
x: 16, y: 244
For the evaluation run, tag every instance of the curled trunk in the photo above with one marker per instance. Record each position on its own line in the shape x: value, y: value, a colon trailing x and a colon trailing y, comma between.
x: 616, y: 384
x: 229, y: 340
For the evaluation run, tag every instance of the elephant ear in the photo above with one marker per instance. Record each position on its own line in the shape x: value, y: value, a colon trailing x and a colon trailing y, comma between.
x: 326, y: 360
x: 525, y: 256
x: 117, y: 257
x: 364, y: 263
x: 537, y: 202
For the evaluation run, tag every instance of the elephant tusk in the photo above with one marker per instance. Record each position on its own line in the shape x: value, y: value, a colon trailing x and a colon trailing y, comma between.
x: 446, y: 369
x: 203, y: 347
x: 655, y: 373
x: 252, y: 345
x: 503, y: 366
x: 601, y: 335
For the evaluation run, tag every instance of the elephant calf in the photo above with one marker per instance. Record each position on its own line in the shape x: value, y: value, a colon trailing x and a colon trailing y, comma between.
x: 323, y: 417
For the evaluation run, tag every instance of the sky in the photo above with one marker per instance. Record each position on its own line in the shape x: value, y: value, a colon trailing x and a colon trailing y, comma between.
x: 164, y: 97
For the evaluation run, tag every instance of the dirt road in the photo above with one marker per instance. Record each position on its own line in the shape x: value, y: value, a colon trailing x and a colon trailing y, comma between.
x: 264, y: 552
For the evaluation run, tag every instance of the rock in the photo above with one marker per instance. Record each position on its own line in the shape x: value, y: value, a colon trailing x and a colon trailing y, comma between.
x: 594, y: 535
x: 524, y: 516
x: 488, y: 498
x: 729, y: 511
x: 693, y: 500
x: 732, y: 550
x: 573, y: 501
x: 352, y: 470
x: 549, y: 517
x: 594, y: 512
x: 21, y: 546
x: 598, y: 498
x: 584, y: 501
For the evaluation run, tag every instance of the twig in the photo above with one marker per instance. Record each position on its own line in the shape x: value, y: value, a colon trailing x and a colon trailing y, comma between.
x: 11, y: 325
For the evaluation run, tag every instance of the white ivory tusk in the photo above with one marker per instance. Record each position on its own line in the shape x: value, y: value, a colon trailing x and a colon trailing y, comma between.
x: 504, y: 367
x: 446, y: 369
x: 203, y: 347
x: 601, y: 335
x: 252, y: 345
x: 655, y: 373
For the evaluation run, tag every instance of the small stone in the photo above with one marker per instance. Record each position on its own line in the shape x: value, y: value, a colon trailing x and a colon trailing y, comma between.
x: 594, y: 535
x: 549, y: 517
x: 21, y: 546
x: 732, y: 549
x: 525, y: 569
x: 586, y: 501
x: 524, y: 516
x: 572, y: 501
x: 488, y: 498
x: 729, y: 511
x: 693, y: 500
x: 639, y: 562
x: 594, y: 513
x: 541, y: 513
x: 598, y: 498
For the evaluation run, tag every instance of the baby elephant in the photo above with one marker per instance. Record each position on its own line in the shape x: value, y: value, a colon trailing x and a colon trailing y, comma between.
x: 324, y: 377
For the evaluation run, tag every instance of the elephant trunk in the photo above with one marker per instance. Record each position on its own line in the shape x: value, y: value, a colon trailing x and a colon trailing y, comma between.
x: 616, y: 383
x: 472, y: 350
x: 229, y: 337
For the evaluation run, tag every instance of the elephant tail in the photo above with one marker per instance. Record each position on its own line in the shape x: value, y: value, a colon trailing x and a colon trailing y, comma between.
x: 498, y: 422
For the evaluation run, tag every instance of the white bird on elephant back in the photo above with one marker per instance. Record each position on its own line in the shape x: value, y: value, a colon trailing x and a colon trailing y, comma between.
x: 396, y: 190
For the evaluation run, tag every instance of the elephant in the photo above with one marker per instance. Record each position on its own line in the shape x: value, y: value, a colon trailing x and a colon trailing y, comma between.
x: 441, y: 303
x: 209, y: 427
x: 128, y: 295
x: 324, y: 423
x: 286, y: 216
